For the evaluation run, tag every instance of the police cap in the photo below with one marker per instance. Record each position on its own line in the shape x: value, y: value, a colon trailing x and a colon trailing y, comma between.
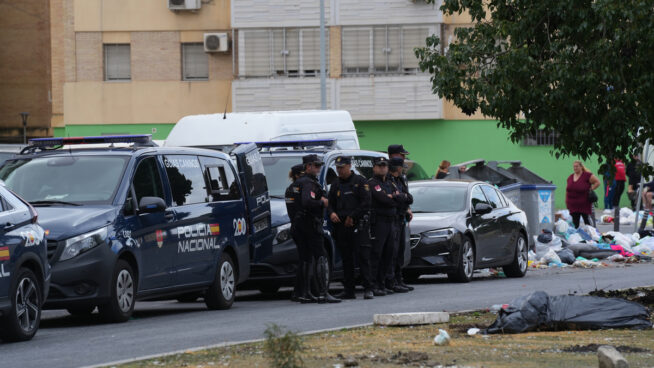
x: 397, y: 148
x: 396, y: 162
x: 297, y: 169
x: 380, y: 161
x: 343, y: 160
x: 312, y: 159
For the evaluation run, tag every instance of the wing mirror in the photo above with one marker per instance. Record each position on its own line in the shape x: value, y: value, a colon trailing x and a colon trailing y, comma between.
x: 152, y: 205
x: 483, y: 208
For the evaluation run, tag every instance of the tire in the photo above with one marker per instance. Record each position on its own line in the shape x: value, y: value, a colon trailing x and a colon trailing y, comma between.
x: 82, y: 311
x: 269, y: 289
x: 189, y: 298
x: 465, y: 264
x: 22, y: 321
x: 518, y: 268
x: 123, y: 294
x: 221, y: 293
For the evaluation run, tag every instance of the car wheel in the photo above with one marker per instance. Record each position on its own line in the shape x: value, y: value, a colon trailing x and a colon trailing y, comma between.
x: 466, y: 263
x: 189, y: 298
x: 22, y: 321
x: 518, y: 268
x: 123, y: 294
x: 221, y: 293
x: 269, y: 289
x: 81, y: 311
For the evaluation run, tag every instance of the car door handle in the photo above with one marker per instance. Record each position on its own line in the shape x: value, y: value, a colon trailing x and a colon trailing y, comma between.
x: 9, y: 226
x: 169, y: 215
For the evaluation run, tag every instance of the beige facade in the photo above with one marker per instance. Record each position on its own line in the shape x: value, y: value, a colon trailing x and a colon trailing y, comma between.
x: 156, y: 92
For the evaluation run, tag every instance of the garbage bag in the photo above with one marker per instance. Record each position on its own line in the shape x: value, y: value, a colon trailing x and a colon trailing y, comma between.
x: 594, y: 234
x: 545, y: 237
x: 626, y: 212
x: 538, y: 310
x: 566, y: 255
x: 590, y: 251
x: 575, y: 238
x: 550, y: 257
x: 561, y: 227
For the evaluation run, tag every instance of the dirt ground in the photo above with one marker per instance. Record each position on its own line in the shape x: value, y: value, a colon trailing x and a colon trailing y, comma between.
x: 413, y: 346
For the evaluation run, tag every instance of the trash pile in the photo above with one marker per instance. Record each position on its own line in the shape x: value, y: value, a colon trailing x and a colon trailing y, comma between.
x: 540, y: 311
x: 627, y: 217
x: 586, y: 247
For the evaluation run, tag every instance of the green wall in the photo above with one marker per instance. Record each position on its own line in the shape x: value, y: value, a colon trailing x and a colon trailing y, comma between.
x: 431, y: 141
x: 162, y: 130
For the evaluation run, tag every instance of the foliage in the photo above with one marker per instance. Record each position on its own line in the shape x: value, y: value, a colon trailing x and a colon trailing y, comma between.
x: 283, y: 348
x: 580, y: 68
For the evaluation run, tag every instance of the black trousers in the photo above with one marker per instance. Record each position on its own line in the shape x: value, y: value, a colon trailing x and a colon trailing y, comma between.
x: 617, y: 192
x: 381, y: 253
x: 303, y: 255
x: 401, y: 248
x: 354, y: 247
x: 576, y: 217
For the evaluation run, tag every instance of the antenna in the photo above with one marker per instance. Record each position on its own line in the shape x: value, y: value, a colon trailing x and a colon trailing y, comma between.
x: 226, y: 103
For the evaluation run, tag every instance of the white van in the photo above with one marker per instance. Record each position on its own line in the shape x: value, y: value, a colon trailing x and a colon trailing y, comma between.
x: 226, y: 129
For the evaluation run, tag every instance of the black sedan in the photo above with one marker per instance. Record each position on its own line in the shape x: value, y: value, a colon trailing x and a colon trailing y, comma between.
x: 460, y: 226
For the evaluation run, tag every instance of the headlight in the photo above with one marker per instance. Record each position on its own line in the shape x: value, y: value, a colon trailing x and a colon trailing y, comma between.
x: 82, y: 243
x: 447, y: 233
x: 283, y: 233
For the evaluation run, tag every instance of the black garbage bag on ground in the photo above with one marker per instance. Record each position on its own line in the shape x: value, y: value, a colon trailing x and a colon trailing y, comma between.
x: 545, y: 237
x: 566, y: 255
x: 568, y: 312
x: 590, y: 251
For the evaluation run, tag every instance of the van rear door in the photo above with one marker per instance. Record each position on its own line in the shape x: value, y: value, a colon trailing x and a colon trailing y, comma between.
x: 255, y: 190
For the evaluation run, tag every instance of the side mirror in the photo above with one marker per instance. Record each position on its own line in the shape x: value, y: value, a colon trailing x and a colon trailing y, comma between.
x: 151, y: 205
x: 483, y: 208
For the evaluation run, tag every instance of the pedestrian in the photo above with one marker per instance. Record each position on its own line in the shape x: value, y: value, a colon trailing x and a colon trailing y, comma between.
x: 292, y: 198
x: 349, y: 212
x: 383, y: 210
x: 620, y: 179
x: 580, y: 193
x: 397, y: 150
x: 633, y: 173
x: 403, y: 216
x: 312, y: 205
x: 443, y: 169
x: 609, y: 189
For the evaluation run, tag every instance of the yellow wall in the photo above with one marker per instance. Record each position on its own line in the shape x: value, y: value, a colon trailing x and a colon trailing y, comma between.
x: 148, y: 15
x: 142, y: 102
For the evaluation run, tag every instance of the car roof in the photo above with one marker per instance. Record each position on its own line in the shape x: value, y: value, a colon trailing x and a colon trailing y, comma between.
x: 123, y: 151
x: 446, y: 183
x: 322, y: 152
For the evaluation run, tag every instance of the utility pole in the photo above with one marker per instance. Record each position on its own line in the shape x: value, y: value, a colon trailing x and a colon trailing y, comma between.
x: 24, y: 116
x: 323, y: 61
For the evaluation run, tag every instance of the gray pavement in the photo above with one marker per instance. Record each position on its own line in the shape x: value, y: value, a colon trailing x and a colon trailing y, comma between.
x: 159, y: 327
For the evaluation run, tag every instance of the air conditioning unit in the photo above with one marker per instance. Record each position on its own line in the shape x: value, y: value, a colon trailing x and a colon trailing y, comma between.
x: 216, y: 42
x: 184, y: 4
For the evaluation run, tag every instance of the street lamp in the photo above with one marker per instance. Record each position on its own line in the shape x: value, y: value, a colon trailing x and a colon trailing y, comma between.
x: 24, y: 116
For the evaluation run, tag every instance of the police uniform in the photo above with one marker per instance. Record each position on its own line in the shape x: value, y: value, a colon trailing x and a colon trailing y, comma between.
x: 292, y: 199
x: 383, y: 212
x: 350, y: 198
x: 309, y: 225
x: 405, y: 200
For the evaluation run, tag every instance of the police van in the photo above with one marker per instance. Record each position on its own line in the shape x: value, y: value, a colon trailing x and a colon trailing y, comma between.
x: 132, y: 221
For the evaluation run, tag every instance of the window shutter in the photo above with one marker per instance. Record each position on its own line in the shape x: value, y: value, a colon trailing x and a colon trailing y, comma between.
x: 379, y: 53
x: 293, y: 48
x: 395, y: 48
x: 195, y: 62
x: 356, y: 50
x: 257, y: 53
x: 311, y: 51
x: 411, y: 38
x: 278, y: 51
x: 117, y: 62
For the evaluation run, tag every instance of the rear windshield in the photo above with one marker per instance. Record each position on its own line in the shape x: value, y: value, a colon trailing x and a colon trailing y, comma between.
x: 432, y: 198
x: 77, y: 179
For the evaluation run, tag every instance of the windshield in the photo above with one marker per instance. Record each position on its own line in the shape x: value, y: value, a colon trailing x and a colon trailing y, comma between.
x: 415, y: 172
x: 438, y: 198
x: 73, y: 179
x: 277, y: 169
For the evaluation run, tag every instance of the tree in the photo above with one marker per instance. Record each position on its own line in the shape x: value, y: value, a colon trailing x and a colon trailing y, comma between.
x: 581, y: 68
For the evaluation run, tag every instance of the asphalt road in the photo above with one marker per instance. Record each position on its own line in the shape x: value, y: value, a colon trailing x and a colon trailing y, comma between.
x: 159, y: 327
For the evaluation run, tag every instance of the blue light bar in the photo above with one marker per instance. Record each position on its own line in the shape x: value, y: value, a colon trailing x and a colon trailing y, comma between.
x: 53, y: 142
x: 299, y: 143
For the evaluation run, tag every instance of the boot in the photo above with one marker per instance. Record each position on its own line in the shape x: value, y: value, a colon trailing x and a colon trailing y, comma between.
x: 323, y: 282
x: 346, y: 294
x: 307, y: 296
x: 399, y: 280
x: 368, y: 294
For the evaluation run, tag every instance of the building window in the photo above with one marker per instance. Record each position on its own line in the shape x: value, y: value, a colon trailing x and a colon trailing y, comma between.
x: 540, y: 138
x: 285, y: 52
x: 195, y: 62
x: 117, y: 62
x: 382, y: 49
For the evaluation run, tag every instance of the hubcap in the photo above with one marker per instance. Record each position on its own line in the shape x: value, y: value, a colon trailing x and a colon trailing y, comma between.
x: 125, y: 290
x: 523, y: 257
x: 27, y: 301
x: 227, y: 280
x: 468, y: 259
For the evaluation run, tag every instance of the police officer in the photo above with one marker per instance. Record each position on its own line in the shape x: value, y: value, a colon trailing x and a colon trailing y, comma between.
x: 383, y: 210
x: 309, y: 225
x: 396, y: 168
x: 292, y: 197
x: 349, y: 210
